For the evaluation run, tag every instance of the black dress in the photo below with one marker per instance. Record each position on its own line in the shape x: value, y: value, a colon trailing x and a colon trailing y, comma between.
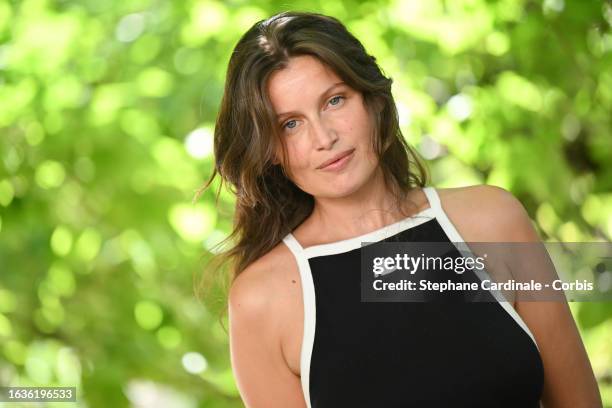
x: 407, y: 354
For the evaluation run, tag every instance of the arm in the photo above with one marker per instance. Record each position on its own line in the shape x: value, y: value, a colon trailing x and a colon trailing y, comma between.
x: 569, y: 381
x: 262, y: 375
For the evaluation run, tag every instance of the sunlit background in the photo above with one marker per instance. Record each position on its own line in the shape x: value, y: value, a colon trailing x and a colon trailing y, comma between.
x: 107, y: 110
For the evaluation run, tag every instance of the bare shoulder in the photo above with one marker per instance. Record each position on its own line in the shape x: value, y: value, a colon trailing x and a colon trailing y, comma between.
x: 259, y: 291
x: 486, y: 213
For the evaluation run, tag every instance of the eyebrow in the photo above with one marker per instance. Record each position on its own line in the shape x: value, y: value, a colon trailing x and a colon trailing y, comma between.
x: 323, y: 95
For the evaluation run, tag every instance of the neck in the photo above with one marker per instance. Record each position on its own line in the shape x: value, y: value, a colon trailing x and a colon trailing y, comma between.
x: 371, y: 207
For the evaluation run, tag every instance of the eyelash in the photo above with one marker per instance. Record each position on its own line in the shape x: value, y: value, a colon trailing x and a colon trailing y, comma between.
x: 341, y: 97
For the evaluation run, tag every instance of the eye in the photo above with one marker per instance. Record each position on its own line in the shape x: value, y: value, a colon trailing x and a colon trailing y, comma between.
x: 336, y: 97
x: 287, y: 122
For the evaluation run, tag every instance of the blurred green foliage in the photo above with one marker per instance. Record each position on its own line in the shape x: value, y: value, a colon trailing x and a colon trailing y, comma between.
x: 106, y: 117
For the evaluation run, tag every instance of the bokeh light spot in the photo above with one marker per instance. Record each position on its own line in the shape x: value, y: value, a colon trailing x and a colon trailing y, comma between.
x: 61, y: 241
x: 148, y: 314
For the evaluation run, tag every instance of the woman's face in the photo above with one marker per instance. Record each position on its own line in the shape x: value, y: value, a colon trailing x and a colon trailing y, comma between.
x: 319, y: 117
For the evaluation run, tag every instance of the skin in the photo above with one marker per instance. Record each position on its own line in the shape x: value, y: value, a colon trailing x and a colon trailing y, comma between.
x: 265, y: 301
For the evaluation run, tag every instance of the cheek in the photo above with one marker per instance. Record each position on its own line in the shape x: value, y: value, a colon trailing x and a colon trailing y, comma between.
x: 354, y: 122
x: 298, y: 156
x: 347, y: 123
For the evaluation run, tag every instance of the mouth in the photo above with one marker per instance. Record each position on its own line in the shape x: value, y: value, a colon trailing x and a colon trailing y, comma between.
x: 338, y: 162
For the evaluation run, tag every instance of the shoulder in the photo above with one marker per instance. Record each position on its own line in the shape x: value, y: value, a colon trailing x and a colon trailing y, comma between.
x: 258, y: 292
x: 265, y: 280
x: 487, y: 213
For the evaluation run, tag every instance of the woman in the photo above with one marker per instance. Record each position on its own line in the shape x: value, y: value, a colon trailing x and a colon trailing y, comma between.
x: 308, y: 136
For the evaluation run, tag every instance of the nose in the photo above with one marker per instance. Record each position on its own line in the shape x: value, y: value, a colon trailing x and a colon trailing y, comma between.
x: 323, y: 135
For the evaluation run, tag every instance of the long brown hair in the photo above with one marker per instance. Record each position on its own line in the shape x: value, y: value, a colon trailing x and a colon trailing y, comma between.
x: 268, y: 204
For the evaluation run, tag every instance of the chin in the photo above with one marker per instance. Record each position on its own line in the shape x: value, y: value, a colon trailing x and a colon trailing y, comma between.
x: 348, y: 184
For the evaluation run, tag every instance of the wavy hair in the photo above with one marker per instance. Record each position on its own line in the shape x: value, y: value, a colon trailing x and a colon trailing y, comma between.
x: 268, y: 204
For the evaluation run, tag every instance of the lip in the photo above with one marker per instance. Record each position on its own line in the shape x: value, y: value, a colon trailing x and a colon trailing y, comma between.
x: 337, y: 162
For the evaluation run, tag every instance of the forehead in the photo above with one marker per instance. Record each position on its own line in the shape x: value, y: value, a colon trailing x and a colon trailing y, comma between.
x: 304, y: 78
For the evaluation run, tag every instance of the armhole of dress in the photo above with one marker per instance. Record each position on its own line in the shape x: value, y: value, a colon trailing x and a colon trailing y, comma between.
x: 459, y: 242
x: 308, y: 296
